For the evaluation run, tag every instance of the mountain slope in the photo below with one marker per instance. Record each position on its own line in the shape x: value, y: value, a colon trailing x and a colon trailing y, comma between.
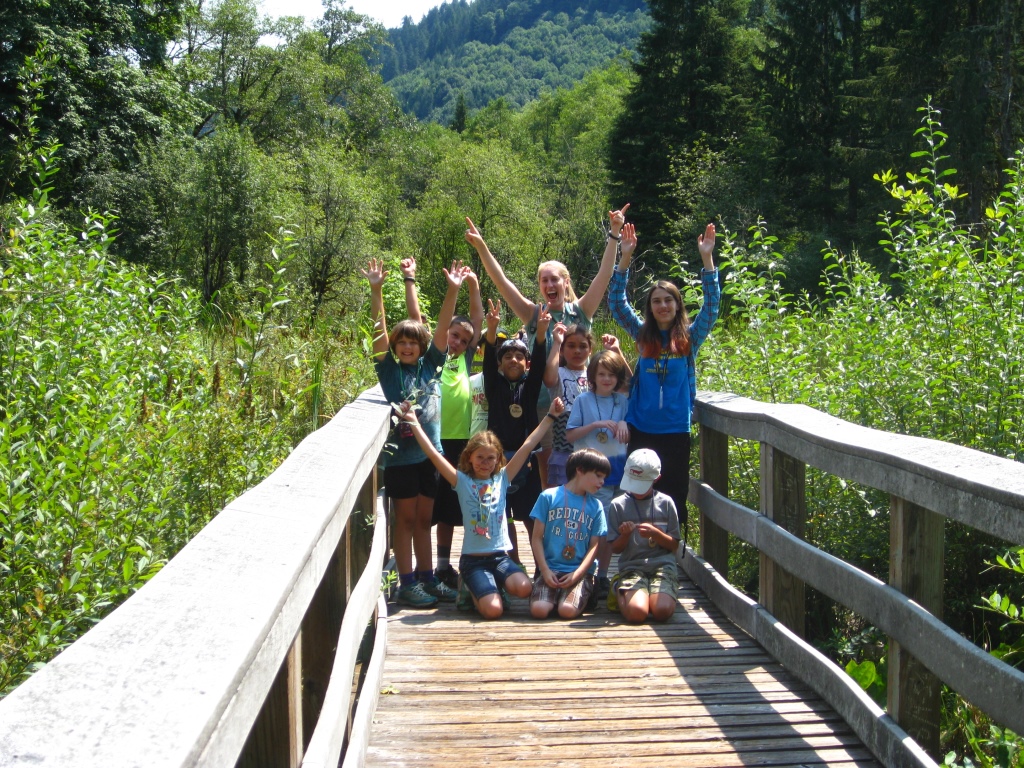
x: 514, y: 49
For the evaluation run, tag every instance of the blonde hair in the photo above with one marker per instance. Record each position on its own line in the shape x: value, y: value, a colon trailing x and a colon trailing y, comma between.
x: 562, y: 270
x: 485, y: 439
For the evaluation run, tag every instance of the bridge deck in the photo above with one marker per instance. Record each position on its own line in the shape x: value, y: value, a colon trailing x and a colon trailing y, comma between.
x: 459, y: 692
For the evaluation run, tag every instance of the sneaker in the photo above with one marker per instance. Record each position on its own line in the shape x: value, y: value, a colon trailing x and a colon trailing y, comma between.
x: 415, y: 596
x: 448, y: 576
x: 440, y: 590
x: 602, y: 586
x: 464, y: 602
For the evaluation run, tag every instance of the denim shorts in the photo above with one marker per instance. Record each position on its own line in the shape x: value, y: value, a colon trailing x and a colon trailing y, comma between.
x: 484, y: 574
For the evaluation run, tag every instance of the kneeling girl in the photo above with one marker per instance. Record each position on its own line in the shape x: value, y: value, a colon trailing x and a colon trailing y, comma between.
x: 481, y: 482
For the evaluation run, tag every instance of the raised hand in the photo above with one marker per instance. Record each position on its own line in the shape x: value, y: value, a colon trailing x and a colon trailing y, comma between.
x: 706, y: 246
x: 473, y: 236
x: 455, y: 275
x: 375, y: 273
x: 611, y: 342
x: 628, y: 240
x: 557, y: 407
x: 617, y: 219
x: 408, y: 267
x: 543, y: 321
x: 493, y: 315
x: 558, y: 334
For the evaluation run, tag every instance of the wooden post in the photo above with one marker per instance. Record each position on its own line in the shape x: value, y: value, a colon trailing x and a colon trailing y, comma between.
x: 714, y: 470
x: 276, y: 737
x: 915, y: 569
x: 362, y: 533
x: 783, y: 500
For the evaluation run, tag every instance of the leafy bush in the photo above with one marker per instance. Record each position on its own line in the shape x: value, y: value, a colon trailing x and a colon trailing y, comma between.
x: 126, y: 420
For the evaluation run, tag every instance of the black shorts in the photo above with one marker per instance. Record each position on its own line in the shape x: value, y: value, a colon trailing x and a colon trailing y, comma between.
x: 520, y: 504
x: 408, y: 481
x: 446, y: 502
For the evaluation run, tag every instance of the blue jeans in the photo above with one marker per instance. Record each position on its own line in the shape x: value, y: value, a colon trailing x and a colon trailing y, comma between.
x: 485, y: 574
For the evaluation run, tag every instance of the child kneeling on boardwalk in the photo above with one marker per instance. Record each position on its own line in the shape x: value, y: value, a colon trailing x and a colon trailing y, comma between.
x: 569, y: 525
x: 643, y: 530
x: 481, y: 482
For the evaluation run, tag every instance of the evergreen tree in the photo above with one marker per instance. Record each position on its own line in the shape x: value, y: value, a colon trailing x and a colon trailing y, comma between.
x: 686, y: 90
x: 458, y: 123
x: 806, y: 62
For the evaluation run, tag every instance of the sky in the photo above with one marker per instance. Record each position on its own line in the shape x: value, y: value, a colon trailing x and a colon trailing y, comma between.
x: 387, y: 12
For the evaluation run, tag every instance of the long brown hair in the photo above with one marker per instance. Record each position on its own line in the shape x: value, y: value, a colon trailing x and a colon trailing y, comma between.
x: 648, y: 341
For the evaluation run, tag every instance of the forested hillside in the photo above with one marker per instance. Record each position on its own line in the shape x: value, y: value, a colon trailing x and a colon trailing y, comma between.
x: 511, y: 49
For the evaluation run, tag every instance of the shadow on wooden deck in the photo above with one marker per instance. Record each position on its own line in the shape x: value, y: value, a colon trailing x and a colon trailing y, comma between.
x: 459, y: 691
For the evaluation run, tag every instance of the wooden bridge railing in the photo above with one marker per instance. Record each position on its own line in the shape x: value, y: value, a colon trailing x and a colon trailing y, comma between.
x: 928, y: 482
x: 244, y: 642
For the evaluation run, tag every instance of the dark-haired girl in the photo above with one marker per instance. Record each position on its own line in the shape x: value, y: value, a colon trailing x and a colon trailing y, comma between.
x: 665, y: 382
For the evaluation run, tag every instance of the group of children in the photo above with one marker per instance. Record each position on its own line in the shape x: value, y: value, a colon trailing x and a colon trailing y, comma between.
x: 556, y: 419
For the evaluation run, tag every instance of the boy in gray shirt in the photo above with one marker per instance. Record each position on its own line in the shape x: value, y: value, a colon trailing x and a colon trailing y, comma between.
x: 643, y: 529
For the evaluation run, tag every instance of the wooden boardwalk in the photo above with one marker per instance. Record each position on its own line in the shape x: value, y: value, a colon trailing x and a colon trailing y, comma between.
x: 459, y: 691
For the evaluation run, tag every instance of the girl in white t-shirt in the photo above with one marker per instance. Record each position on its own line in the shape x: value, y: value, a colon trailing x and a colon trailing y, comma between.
x: 566, y: 377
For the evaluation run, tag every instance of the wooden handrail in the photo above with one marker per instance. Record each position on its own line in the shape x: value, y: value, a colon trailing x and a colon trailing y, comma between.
x: 224, y: 657
x: 927, y: 480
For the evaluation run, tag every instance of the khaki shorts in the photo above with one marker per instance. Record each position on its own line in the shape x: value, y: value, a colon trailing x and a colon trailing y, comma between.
x: 664, y: 580
x: 576, y: 598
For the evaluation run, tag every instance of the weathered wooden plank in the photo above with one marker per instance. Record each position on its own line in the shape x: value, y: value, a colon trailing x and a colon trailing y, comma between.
x: 325, y: 746
x: 714, y: 470
x: 783, y: 481
x: 916, y: 559
x: 177, y: 675
x: 753, y: 751
x: 355, y: 750
x: 980, y: 490
x: 547, y: 718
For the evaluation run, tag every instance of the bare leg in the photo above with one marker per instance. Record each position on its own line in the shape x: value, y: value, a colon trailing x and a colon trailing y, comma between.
x: 519, y: 585
x: 635, y: 606
x: 662, y: 606
x: 489, y: 606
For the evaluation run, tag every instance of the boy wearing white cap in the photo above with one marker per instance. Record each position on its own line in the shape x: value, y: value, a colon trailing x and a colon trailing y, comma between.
x: 643, y: 530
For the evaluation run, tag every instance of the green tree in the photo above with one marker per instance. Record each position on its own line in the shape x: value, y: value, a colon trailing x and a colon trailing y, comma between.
x: 686, y: 89
x: 108, y: 91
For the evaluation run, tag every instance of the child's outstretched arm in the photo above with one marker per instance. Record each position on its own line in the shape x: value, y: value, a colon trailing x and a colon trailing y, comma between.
x: 407, y: 414
x: 621, y: 310
x: 554, y: 354
x: 412, y: 299
x: 519, y: 304
x: 591, y: 300
x: 375, y: 274
x: 523, y: 454
x: 476, y: 306
x: 455, y: 276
